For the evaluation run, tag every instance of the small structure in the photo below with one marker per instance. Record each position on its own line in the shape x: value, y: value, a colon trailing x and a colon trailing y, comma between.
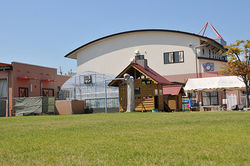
x: 69, y: 107
x: 217, y: 91
x: 89, y: 86
x: 148, y: 87
x: 25, y: 80
x: 173, y: 96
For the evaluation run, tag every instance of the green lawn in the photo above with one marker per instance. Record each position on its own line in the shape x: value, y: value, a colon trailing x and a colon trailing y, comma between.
x: 202, y: 138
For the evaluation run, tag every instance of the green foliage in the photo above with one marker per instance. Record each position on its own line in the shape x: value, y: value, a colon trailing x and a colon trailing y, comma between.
x: 206, y: 138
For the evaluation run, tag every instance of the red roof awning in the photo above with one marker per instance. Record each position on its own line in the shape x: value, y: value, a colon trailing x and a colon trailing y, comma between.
x: 47, y: 80
x: 172, y: 89
x: 151, y: 73
x: 26, y: 78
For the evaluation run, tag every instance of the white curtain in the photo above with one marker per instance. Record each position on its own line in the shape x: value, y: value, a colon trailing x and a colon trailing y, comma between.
x: 3, y: 88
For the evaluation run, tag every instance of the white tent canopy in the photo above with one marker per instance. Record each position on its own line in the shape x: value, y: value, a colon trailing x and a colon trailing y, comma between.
x: 214, y: 83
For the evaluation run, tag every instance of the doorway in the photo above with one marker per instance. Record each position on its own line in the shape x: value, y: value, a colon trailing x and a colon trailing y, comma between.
x: 156, y: 102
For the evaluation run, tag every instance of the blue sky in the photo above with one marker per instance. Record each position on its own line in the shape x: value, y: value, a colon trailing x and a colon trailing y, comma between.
x: 43, y: 32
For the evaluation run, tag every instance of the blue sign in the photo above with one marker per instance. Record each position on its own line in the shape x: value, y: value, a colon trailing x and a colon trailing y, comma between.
x: 207, y: 67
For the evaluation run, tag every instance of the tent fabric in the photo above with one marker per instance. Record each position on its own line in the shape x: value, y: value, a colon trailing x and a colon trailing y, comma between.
x: 172, y: 90
x: 27, y: 105
x: 37, y: 105
x: 214, y: 83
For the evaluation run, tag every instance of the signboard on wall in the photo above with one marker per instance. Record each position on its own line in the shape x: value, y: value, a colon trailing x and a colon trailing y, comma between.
x: 208, y: 67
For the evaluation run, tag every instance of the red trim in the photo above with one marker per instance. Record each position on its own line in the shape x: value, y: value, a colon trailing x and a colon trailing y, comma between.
x: 171, y: 89
x: 47, y: 80
x: 27, y: 78
x: 152, y: 74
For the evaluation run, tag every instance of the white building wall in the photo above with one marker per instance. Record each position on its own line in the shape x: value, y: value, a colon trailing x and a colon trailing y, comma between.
x: 113, y: 54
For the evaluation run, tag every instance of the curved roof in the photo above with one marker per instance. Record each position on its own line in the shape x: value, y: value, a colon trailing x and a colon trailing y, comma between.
x: 142, y: 30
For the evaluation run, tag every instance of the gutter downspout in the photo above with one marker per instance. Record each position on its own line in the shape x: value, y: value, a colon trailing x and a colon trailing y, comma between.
x: 196, y: 58
x: 196, y: 65
x: 8, y: 93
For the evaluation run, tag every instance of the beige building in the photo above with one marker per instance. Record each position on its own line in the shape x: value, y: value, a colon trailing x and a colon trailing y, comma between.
x: 174, y: 54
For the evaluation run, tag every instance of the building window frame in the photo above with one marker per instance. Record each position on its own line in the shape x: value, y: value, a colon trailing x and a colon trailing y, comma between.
x: 137, y: 90
x: 23, y: 92
x: 209, y: 96
x: 47, y: 91
x: 172, y: 57
x: 146, y: 82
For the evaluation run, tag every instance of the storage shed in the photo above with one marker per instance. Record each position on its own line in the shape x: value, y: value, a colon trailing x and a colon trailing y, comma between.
x: 148, y: 86
x: 173, y: 96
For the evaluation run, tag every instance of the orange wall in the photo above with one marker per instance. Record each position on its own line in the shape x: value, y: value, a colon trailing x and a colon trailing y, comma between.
x: 34, y: 85
x: 38, y: 73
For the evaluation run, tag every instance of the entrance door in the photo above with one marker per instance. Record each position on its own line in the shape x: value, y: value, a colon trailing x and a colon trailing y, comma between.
x: 156, y: 102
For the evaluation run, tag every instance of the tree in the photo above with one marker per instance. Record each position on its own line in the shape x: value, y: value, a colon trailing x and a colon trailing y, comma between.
x: 238, y: 63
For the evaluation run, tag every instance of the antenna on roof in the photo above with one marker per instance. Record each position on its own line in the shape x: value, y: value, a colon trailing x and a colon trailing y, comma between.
x: 204, y: 28
x: 60, y: 68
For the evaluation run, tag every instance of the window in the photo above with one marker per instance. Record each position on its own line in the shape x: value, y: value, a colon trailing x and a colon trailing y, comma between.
x: 203, y: 51
x: 87, y: 79
x: 140, y: 56
x: 160, y: 92
x: 23, y: 92
x: 210, y: 98
x: 209, y: 52
x: 146, y: 82
x: 192, y: 95
x: 147, y: 97
x: 47, y: 92
x: 3, y: 88
x: 156, y: 91
x: 137, y: 91
x: 173, y: 57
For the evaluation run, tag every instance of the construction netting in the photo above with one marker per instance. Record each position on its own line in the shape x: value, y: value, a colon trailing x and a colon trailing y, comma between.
x: 34, y: 105
x: 90, y: 87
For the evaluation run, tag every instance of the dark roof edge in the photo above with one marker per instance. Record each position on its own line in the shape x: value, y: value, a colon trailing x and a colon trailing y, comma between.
x: 142, y: 30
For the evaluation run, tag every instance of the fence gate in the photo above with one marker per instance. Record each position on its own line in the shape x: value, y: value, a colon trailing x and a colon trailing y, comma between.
x: 2, y: 107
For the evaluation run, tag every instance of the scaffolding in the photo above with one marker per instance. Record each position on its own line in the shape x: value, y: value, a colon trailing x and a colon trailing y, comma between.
x: 90, y: 87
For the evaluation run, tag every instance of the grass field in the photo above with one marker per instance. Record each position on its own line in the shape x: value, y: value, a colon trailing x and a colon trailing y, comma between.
x: 205, y: 138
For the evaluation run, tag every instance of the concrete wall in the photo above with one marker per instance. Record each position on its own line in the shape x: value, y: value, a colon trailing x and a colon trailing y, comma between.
x: 112, y: 55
